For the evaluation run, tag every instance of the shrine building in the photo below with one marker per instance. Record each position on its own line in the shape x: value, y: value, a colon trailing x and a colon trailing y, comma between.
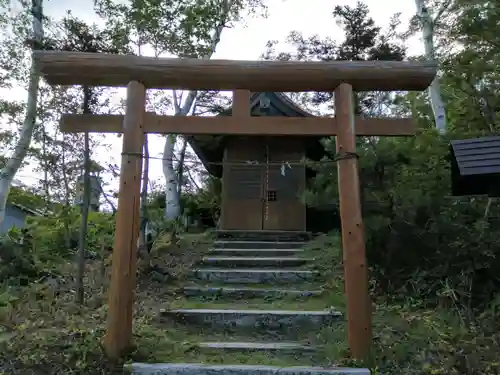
x: 263, y: 177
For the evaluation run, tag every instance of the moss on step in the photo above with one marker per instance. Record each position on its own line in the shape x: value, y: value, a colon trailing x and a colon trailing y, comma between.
x: 177, y: 344
x: 174, y: 342
x: 272, y: 303
x: 299, y: 286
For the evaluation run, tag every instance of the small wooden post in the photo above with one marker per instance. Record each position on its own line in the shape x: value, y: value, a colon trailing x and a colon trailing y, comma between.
x: 353, y: 238
x: 121, y: 292
x: 241, y: 103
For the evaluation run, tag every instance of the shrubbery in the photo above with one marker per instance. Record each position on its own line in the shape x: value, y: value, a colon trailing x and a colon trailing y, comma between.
x: 434, y: 268
x: 408, y: 337
x: 48, y: 242
x: 44, y: 330
x: 422, y: 242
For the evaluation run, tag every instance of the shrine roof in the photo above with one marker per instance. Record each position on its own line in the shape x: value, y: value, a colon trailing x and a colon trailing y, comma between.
x: 210, y: 148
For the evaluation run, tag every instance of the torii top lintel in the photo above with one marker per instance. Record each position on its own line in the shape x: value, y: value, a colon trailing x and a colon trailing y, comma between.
x: 99, y: 69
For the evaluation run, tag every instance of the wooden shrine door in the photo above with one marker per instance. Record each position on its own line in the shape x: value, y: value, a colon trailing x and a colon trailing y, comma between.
x: 284, y: 181
x: 262, y: 184
x: 243, y: 173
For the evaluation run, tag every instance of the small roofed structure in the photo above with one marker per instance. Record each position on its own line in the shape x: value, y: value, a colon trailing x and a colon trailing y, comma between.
x: 263, y: 176
x: 475, y: 166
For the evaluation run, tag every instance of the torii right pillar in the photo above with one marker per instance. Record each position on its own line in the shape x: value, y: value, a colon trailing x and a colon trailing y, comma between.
x: 359, y: 307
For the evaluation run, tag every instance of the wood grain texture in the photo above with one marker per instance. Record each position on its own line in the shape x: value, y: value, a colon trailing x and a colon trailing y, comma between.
x: 241, y: 103
x: 359, y: 308
x: 123, y: 274
x: 243, y: 211
x: 274, y: 126
x: 98, y: 69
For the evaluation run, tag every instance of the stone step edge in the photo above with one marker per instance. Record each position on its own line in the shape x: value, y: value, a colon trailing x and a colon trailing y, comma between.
x: 261, y: 242
x: 253, y: 258
x: 196, y: 369
x: 228, y: 250
x: 326, y: 312
x: 246, y: 275
x: 272, y: 231
x: 229, y: 290
x: 214, y: 258
x: 257, y: 346
x: 253, y: 270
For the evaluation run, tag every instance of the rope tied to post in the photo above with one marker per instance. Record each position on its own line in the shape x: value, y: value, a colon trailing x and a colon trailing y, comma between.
x: 138, y: 154
x: 344, y: 155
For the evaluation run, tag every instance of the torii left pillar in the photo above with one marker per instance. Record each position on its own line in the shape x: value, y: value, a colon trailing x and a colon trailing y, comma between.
x: 124, y: 260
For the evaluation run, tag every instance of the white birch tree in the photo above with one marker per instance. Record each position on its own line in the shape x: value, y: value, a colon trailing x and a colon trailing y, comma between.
x: 8, y: 172
x: 428, y: 21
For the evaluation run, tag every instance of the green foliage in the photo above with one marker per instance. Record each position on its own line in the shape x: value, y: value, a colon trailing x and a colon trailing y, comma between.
x: 421, y: 242
x: 202, y: 205
x: 43, y: 330
x: 49, y: 333
x: 182, y: 28
x: 26, y: 199
x: 205, y: 203
x: 18, y: 263
x: 362, y: 40
x: 51, y: 233
x: 434, y: 341
x: 407, y: 337
x: 432, y: 257
x: 49, y: 242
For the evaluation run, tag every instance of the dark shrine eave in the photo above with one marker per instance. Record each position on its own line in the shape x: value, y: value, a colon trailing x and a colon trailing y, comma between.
x: 210, y: 148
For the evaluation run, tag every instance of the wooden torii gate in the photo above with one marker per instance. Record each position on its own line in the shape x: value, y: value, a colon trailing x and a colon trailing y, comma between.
x: 140, y: 73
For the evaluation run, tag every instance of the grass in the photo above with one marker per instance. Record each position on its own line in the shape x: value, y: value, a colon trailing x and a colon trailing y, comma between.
x: 43, y: 331
x: 271, y: 303
x: 46, y: 332
x: 191, y: 336
x: 179, y: 344
x: 49, y: 333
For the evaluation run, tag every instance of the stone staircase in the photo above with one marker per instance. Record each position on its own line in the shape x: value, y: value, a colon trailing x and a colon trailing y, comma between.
x: 255, y: 288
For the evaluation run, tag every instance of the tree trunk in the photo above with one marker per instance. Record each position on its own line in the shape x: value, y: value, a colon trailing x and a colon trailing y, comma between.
x: 172, y: 203
x: 430, y: 53
x: 487, y: 210
x: 67, y: 203
x: 108, y: 201
x: 144, y: 196
x: 13, y: 164
x: 85, y: 205
x: 46, y: 188
x: 172, y: 198
x: 180, y: 169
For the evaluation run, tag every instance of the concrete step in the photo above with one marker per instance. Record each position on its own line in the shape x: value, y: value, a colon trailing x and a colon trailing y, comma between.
x: 203, y: 369
x: 262, y: 235
x: 194, y: 291
x: 268, y: 320
x: 257, y: 252
x: 254, y: 276
x: 248, y: 347
x: 254, y: 262
x: 223, y: 244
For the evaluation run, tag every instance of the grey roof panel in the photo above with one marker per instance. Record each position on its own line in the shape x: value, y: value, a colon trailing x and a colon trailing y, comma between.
x: 492, y: 138
x: 475, y: 166
x: 477, y: 156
